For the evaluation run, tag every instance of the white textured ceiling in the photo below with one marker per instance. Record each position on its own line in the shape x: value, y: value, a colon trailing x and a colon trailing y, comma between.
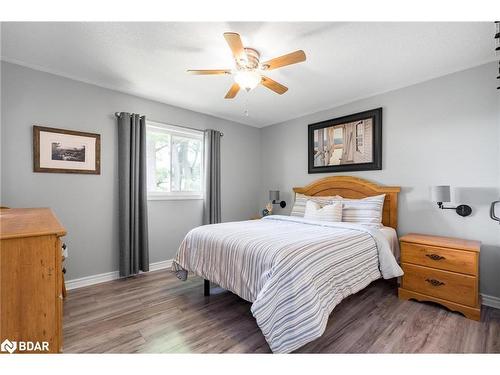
x: 345, y: 61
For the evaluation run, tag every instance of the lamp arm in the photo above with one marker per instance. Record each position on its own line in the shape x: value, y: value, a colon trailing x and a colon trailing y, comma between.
x: 447, y: 208
x: 281, y: 203
x: 462, y: 210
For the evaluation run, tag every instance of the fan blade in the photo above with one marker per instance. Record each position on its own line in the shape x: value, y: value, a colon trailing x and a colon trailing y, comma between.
x: 289, y: 59
x: 209, y: 71
x: 232, y: 91
x: 234, y: 42
x: 273, y: 85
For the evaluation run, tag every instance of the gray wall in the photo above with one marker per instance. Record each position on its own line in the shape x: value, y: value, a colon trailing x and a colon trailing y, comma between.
x: 87, y: 204
x: 444, y: 131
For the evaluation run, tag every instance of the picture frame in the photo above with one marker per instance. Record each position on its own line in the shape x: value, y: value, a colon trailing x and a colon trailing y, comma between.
x: 66, y: 151
x: 347, y: 143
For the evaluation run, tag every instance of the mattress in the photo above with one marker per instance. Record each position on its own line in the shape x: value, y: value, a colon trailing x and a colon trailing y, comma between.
x: 392, y: 239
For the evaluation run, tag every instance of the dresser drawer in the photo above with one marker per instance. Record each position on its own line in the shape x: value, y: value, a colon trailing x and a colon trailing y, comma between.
x: 439, y: 257
x: 441, y: 284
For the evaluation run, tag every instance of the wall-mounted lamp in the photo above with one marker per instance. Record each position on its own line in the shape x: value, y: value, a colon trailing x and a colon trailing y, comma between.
x: 441, y: 194
x: 274, y: 197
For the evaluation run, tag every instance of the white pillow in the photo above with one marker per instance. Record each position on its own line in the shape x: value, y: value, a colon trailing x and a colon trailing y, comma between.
x: 299, y: 206
x: 366, y: 211
x: 330, y: 212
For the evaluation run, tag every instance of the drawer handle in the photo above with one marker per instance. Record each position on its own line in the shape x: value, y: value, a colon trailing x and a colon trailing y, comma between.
x: 435, y: 256
x: 434, y: 282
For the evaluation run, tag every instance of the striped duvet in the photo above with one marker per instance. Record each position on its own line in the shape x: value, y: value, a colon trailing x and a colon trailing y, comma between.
x: 293, y: 270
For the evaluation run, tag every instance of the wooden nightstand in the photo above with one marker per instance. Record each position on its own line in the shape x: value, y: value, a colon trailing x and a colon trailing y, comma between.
x: 444, y: 270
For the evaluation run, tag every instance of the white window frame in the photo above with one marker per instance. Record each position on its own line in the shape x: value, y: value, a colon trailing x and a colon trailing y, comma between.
x: 181, y: 131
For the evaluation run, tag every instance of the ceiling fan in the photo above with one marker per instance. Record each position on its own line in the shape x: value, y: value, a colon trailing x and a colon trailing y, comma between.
x: 248, y: 72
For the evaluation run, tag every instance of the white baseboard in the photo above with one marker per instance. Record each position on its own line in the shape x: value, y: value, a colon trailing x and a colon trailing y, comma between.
x: 110, y: 276
x: 490, y: 301
x: 91, y: 280
x: 160, y: 265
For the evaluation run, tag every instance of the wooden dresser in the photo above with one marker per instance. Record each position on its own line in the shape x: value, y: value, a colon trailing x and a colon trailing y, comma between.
x: 31, y: 277
x: 443, y: 270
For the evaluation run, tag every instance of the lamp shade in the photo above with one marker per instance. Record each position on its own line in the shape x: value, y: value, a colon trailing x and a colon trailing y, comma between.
x: 274, y: 195
x: 440, y: 193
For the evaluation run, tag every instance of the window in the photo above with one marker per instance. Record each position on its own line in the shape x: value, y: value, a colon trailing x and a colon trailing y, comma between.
x: 174, y: 162
x: 360, y: 133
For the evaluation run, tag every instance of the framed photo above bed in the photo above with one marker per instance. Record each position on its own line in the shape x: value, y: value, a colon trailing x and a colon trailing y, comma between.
x: 66, y: 151
x: 348, y: 143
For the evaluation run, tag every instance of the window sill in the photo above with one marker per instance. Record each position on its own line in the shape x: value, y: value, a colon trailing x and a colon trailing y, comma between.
x: 173, y: 197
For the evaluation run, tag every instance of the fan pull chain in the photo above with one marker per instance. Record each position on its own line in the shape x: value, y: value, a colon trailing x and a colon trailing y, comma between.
x: 245, y: 105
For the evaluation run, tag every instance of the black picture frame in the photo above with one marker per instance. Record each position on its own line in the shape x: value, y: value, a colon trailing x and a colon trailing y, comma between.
x: 375, y: 164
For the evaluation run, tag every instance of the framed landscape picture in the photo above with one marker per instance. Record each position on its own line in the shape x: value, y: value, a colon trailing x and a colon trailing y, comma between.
x: 66, y: 151
x: 348, y: 143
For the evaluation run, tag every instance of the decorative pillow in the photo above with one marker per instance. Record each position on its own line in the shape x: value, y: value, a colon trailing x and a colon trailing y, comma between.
x: 330, y: 212
x: 299, y: 206
x: 364, y: 211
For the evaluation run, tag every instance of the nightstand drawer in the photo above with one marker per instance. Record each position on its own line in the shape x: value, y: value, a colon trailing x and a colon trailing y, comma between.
x: 439, y: 257
x: 447, y: 285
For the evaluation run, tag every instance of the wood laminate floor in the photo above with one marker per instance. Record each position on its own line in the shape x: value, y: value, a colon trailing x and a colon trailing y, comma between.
x: 157, y: 313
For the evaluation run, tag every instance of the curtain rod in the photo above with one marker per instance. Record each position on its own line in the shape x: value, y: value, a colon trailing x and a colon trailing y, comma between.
x: 117, y: 114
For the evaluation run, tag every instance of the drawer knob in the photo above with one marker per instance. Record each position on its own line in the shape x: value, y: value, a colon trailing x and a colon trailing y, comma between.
x: 435, y: 256
x: 434, y: 282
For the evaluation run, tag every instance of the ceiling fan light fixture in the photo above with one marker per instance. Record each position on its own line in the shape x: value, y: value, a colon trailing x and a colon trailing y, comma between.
x: 247, y: 79
x: 248, y: 70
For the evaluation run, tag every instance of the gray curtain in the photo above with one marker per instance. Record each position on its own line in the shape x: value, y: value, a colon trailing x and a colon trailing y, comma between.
x: 212, y: 203
x: 133, y: 223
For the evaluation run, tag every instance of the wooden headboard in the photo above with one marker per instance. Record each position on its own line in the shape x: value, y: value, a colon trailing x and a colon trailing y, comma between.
x: 354, y: 187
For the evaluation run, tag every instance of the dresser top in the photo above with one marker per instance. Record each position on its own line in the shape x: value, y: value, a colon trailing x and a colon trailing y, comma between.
x: 29, y: 222
x: 451, y: 242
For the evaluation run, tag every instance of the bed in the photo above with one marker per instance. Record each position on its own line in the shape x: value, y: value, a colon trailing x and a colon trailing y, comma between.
x: 295, y: 271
